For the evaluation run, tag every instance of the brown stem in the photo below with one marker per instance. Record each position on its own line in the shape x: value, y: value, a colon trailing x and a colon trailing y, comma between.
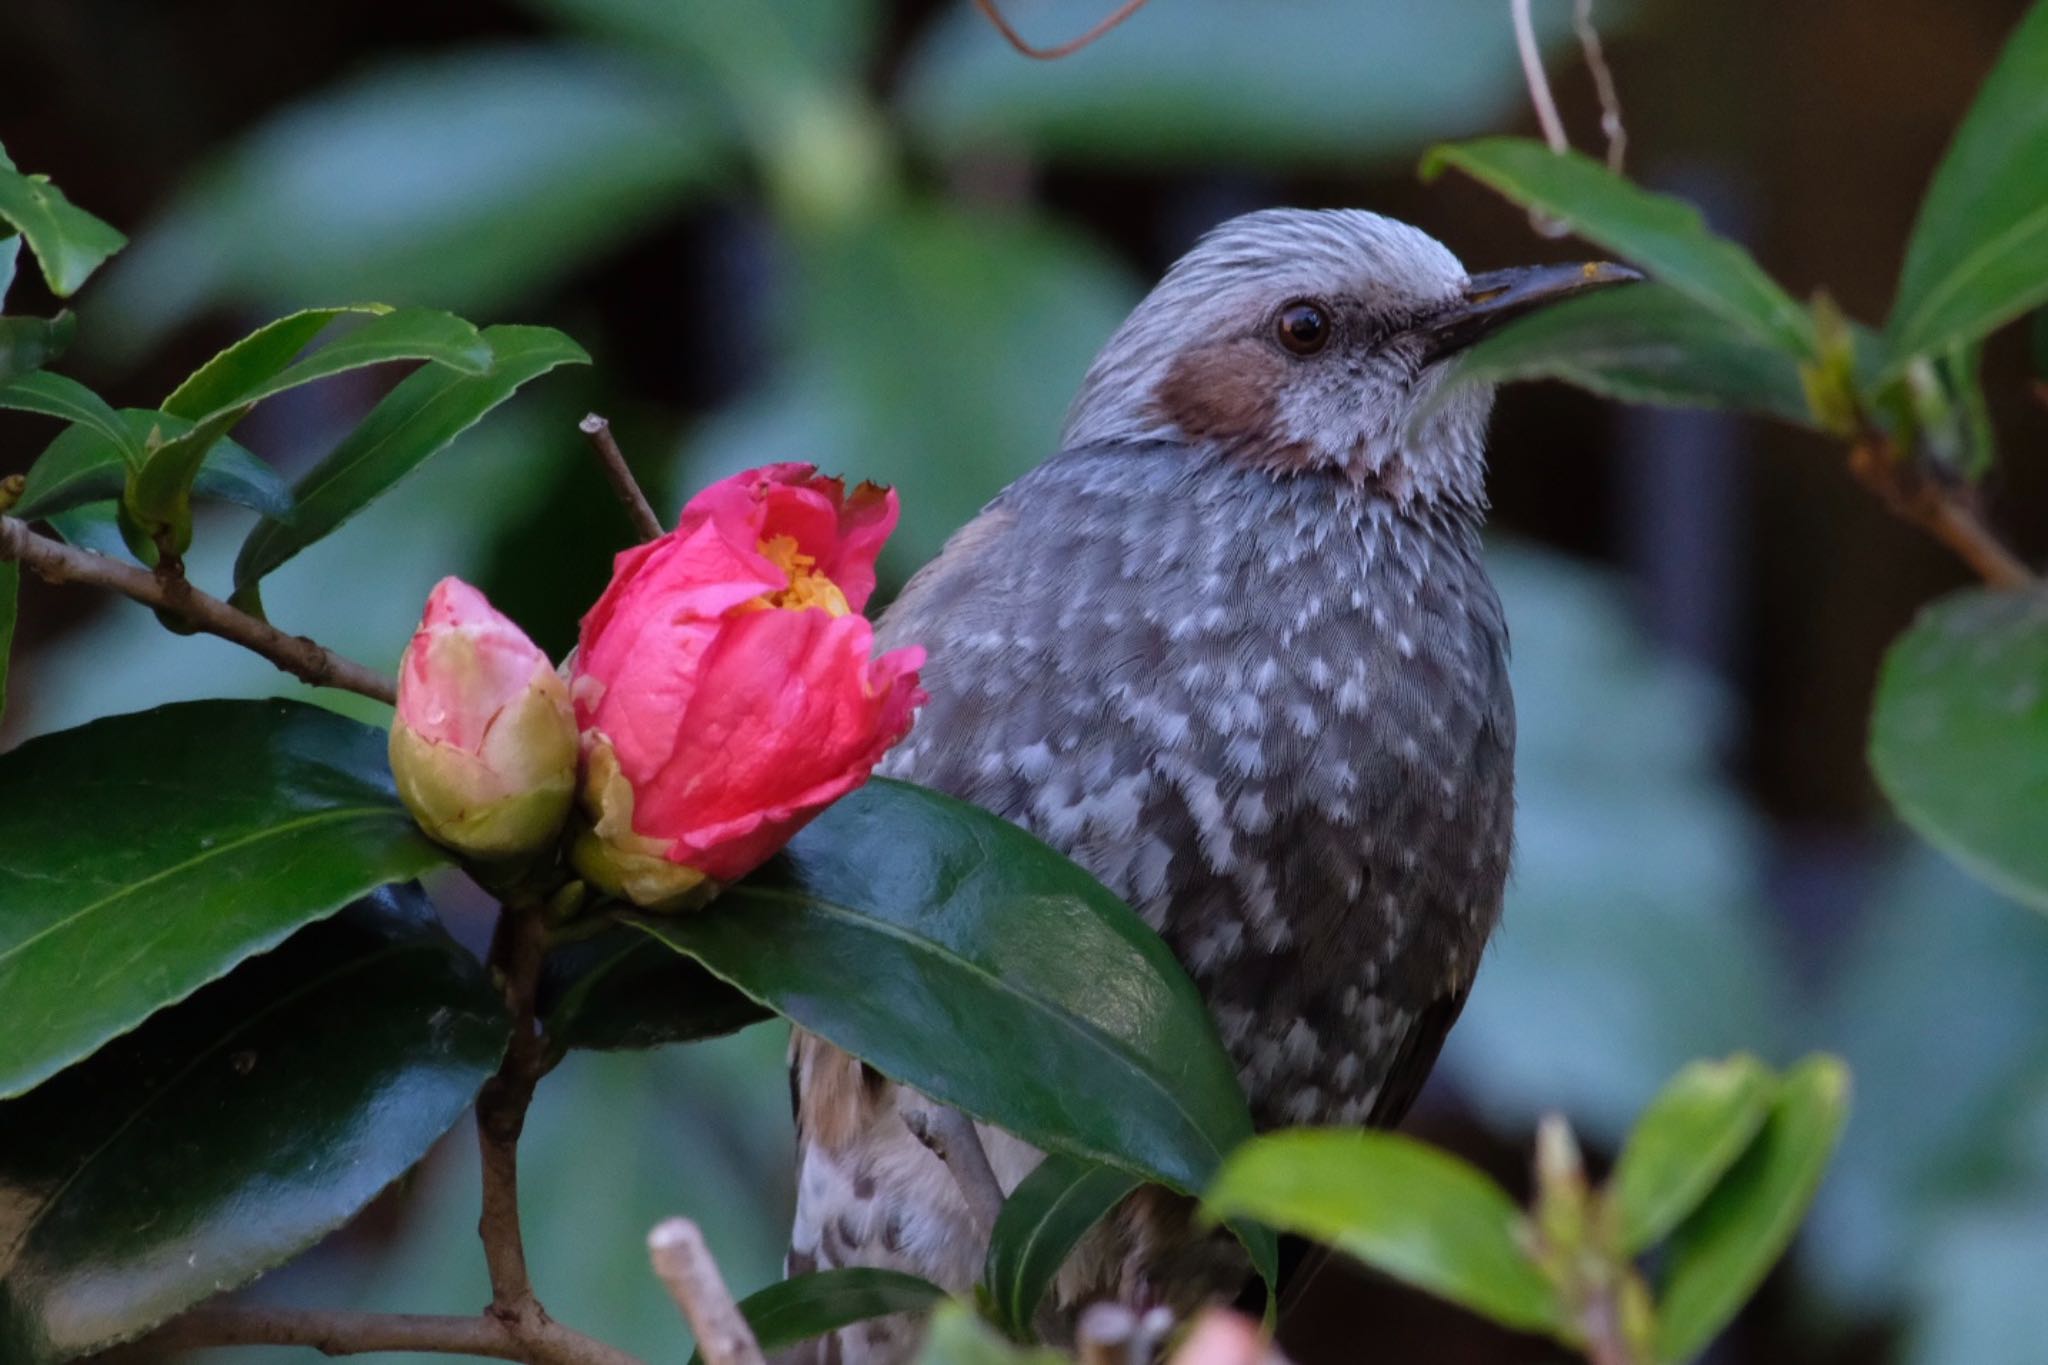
x: 619, y: 474
x: 1066, y: 49
x: 55, y: 562
x: 516, y: 955
x: 684, y: 1266
x: 1940, y: 511
x: 1611, y: 126
x: 345, y: 1334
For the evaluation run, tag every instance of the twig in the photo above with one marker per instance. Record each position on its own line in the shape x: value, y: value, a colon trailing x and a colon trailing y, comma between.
x: 55, y: 562
x: 1066, y: 49
x: 1545, y: 103
x: 950, y: 1136
x: 1919, y: 499
x: 619, y: 474
x: 1611, y: 126
x: 516, y: 955
x: 346, y: 1334
x: 683, y: 1264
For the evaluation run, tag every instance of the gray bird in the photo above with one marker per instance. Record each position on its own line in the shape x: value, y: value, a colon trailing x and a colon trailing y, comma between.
x: 1234, y: 650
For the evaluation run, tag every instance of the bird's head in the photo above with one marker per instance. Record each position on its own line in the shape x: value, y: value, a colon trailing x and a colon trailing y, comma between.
x: 1299, y: 340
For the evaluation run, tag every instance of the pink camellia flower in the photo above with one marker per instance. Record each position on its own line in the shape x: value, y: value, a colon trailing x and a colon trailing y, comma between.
x: 1221, y: 1337
x: 484, y: 741
x: 724, y: 683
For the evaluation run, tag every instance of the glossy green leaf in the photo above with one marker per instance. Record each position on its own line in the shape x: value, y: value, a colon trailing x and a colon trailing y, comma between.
x: 1337, y: 82
x: 620, y: 991
x: 1959, y: 736
x: 82, y: 466
x: 69, y: 243
x: 1978, y: 256
x: 1418, y: 1214
x: 94, y: 526
x: 30, y: 343
x: 427, y: 411
x: 256, y: 369
x: 1044, y: 1218
x: 55, y: 396
x: 256, y: 358
x: 236, y: 1128
x: 807, y: 1306
x: 1663, y: 235
x: 10, y: 607
x: 1685, y: 1142
x: 1644, y: 344
x: 958, y: 1337
x: 142, y: 856
x: 1722, y: 1253
x: 954, y: 952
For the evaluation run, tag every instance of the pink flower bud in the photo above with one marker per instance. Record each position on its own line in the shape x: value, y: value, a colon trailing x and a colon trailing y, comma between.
x: 1221, y: 1337
x: 484, y: 742
x: 724, y: 683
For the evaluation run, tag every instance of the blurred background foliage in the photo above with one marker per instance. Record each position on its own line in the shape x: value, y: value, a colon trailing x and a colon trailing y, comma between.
x: 869, y: 235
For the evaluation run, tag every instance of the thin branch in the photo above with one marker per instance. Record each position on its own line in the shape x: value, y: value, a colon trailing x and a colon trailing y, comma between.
x: 1545, y: 103
x: 683, y: 1264
x: 1066, y: 49
x: 1611, y: 126
x: 347, y: 1334
x: 1939, y: 511
x: 516, y: 955
x: 55, y: 562
x: 950, y: 1136
x: 619, y: 474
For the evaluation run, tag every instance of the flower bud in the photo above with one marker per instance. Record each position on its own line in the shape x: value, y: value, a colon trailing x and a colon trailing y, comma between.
x: 484, y: 742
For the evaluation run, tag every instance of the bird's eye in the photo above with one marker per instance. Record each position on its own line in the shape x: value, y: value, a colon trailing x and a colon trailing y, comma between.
x: 1303, y: 327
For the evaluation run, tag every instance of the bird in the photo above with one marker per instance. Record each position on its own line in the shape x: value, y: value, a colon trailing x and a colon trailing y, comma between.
x: 1233, y: 649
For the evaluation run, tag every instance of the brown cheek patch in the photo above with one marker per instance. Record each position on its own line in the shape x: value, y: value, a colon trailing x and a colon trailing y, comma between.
x: 1224, y: 393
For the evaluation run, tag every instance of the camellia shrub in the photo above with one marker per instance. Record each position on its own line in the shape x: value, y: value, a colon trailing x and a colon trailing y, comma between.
x: 679, y: 827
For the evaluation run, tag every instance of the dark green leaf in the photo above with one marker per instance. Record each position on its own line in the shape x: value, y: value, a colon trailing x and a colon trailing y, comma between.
x: 807, y: 1306
x: 427, y: 410
x: 1044, y: 1218
x: 958, y: 1337
x: 1722, y: 1253
x: 1420, y: 1215
x: 954, y: 952
x: 257, y: 357
x: 1978, y: 257
x: 30, y: 343
x: 1665, y: 236
x: 1644, y: 344
x: 142, y: 856
x: 1686, y: 1141
x: 81, y: 465
x: 10, y: 251
x: 95, y: 527
x: 257, y: 368
x: 233, y: 1130
x: 10, y: 606
x: 55, y: 396
x: 619, y: 990
x: 1959, y: 736
x: 69, y: 243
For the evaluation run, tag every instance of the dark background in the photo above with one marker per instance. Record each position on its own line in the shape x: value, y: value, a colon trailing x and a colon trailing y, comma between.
x: 871, y: 236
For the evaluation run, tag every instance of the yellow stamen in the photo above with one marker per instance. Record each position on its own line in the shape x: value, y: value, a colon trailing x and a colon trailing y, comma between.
x: 807, y: 587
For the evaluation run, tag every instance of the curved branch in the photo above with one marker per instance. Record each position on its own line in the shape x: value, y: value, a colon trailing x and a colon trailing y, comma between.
x: 55, y: 562
x: 1066, y: 49
x: 1914, y: 497
x: 347, y: 1334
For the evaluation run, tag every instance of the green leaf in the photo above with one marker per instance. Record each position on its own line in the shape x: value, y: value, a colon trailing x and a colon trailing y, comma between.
x: 257, y: 357
x: 81, y: 466
x: 258, y: 367
x: 1959, y: 735
x: 807, y: 1306
x: 619, y: 991
x: 1978, y: 257
x: 235, y: 1129
x: 1645, y: 344
x: 1041, y: 1222
x: 95, y: 527
x: 1420, y: 1215
x: 427, y: 411
x: 957, y: 954
x: 1665, y: 236
x: 30, y: 343
x: 10, y: 606
x: 69, y: 243
x: 55, y: 396
x: 142, y: 856
x: 1686, y: 1141
x: 1722, y: 1253
x: 10, y: 251
x: 957, y: 1337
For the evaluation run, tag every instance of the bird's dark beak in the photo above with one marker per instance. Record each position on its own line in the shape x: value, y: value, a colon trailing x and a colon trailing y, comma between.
x: 1499, y: 297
